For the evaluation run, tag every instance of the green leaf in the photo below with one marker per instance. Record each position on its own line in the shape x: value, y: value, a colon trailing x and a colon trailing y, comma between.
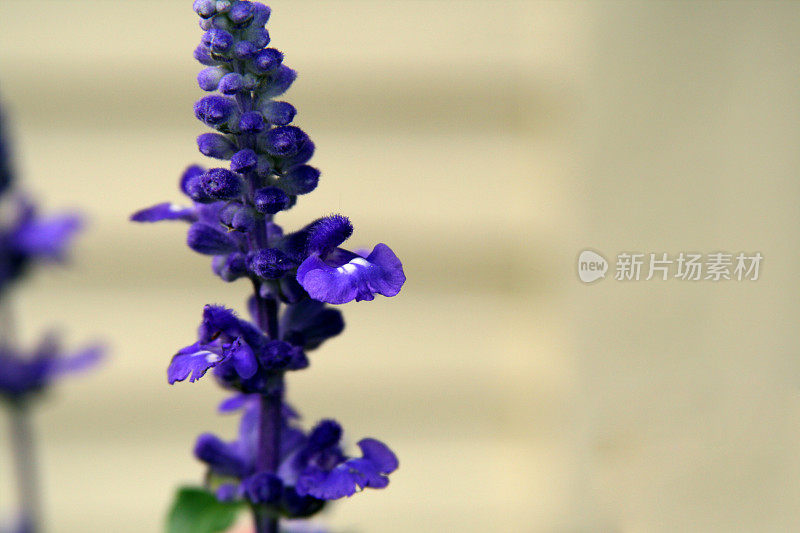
x: 196, y: 510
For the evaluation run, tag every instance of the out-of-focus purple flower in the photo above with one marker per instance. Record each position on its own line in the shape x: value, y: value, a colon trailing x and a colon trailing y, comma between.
x: 25, y: 374
x: 28, y: 238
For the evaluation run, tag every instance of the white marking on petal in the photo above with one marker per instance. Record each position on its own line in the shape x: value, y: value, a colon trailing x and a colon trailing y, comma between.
x: 348, y: 268
x: 175, y: 208
x: 211, y: 357
x: 360, y: 261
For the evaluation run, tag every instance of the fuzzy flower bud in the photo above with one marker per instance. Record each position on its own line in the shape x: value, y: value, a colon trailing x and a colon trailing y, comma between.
x: 215, y: 145
x: 241, y: 12
x: 252, y: 122
x: 270, y: 263
x: 205, y: 8
x: 217, y: 40
x: 214, y: 110
x: 208, y: 79
x: 284, y: 141
x: 267, y: 60
x: 206, y: 239
x: 231, y: 84
x: 244, y: 160
x: 300, y: 180
x: 271, y: 200
x: 221, y: 184
x: 278, y: 113
x: 328, y: 233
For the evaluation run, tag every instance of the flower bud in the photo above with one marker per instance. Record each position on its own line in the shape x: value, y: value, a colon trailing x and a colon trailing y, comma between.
x: 270, y: 263
x: 300, y: 180
x: 205, y: 8
x: 252, y: 122
x: 243, y: 220
x: 302, y: 156
x: 259, y: 36
x: 191, y: 172
x: 203, y: 55
x: 230, y: 267
x: 270, y: 200
x: 231, y: 83
x: 215, y: 145
x: 260, y: 14
x: 208, y: 78
x: 284, y: 141
x: 243, y: 160
x: 267, y: 60
x: 244, y: 49
x: 278, y: 82
x: 217, y: 40
x: 278, y: 113
x: 241, y: 12
x: 227, y: 212
x: 214, y: 110
x: 208, y: 240
x: 221, y: 184
x: 327, y: 233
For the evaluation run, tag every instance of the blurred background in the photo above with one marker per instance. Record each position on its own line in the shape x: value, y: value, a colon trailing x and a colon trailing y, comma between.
x: 488, y: 143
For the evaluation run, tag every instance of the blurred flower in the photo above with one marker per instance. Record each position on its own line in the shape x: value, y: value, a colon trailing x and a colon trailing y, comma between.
x: 24, y: 375
x: 27, y: 238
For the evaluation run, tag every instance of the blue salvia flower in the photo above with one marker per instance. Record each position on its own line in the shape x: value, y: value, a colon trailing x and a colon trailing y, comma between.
x: 26, y: 239
x: 277, y: 468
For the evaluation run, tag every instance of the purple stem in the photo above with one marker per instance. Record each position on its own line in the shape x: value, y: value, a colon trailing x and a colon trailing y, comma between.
x: 269, y: 426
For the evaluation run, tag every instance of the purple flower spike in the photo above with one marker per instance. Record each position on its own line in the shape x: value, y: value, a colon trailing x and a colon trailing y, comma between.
x: 277, y: 470
x: 356, y: 278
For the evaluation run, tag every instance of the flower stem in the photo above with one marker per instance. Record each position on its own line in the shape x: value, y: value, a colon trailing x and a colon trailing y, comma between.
x: 25, y: 463
x: 269, y: 426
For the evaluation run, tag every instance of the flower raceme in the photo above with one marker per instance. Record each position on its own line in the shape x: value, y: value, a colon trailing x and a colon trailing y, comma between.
x: 273, y: 465
x: 312, y: 466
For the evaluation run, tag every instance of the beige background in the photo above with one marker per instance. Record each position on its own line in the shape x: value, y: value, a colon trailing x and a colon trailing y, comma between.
x: 488, y: 143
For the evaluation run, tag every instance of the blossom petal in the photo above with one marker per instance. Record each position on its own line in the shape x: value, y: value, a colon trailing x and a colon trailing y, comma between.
x: 378, y: 453
x: 244, y: 361
x: 312, y: 321
x: 78, y: 362
x: 193, y: 360
x: 223, y: 458
x: 234, y: 403
x: 165, y: 211
x: 47, y: 237
x: 359, y: 279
